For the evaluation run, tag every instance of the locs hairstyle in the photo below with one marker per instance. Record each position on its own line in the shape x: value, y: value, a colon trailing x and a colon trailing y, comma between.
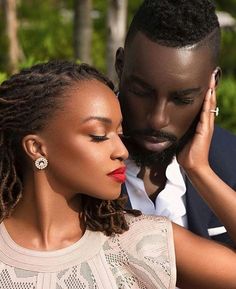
x: 178, y: 23
x: 27, y: 100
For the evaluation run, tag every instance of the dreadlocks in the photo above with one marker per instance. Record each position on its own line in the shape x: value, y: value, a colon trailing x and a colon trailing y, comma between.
x: 27, y: 100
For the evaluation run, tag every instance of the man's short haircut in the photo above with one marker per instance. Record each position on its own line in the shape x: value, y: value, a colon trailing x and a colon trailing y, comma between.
x: 178, y: 23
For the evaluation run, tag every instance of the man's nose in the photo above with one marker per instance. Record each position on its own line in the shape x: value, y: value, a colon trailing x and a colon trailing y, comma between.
x: 158, y: 117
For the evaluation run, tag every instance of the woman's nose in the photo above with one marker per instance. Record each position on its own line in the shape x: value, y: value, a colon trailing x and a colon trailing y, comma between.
x: 120, y: 152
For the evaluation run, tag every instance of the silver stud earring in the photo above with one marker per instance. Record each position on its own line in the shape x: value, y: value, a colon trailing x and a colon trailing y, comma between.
x: 41, y: 163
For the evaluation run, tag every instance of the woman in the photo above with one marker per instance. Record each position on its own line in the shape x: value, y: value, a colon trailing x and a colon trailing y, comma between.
x: 62, y: 166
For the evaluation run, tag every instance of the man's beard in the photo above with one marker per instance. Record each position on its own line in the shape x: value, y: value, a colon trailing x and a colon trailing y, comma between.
x: 144, y: 157
x: 147, y: 158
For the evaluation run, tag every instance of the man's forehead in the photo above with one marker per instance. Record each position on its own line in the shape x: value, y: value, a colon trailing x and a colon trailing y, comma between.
x: 188, y: 86
x: 142, y: 48
x: 162, y: 81
x: 142, y: 63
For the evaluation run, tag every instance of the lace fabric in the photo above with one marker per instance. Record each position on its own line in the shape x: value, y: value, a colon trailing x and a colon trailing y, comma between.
x: 141, y: 258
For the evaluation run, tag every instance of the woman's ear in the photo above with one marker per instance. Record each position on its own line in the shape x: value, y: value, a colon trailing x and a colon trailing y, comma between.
x: 33, y: 146
x: 119, y: 64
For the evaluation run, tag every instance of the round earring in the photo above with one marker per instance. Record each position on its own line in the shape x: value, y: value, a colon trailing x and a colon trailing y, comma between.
x: 41, y: 163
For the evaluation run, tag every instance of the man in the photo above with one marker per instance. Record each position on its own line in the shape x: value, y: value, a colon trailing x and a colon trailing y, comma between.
x: 170, y: 52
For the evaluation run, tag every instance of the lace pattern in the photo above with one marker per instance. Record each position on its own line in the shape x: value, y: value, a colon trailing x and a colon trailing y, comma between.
x: 141, y: 258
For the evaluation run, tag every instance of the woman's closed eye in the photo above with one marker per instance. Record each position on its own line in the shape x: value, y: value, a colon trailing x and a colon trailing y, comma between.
x: 98, y: 138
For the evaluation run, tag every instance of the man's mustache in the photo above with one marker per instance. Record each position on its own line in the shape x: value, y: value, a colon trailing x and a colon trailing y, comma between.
x: 151, y: 133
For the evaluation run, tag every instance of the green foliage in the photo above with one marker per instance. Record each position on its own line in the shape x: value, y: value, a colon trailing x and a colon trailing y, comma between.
x: 228, y: 53
x: 3, y: 76
x: 132, y: 7
x: 31, y: 61
x: 98, y: 50
x: 45, y: 31
x: 226, y: 100
x: 229, y: 6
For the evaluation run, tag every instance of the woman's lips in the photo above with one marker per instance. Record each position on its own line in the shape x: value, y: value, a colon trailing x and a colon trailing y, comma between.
x: 118, y: 174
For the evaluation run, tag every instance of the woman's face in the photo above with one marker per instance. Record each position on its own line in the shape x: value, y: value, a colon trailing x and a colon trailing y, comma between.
x: 83, y: 145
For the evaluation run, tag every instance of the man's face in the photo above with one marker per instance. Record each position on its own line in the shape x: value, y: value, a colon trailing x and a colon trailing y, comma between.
x: 161, y: 94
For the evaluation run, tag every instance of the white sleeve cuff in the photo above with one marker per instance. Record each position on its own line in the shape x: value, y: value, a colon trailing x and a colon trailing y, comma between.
x: 216, y: 231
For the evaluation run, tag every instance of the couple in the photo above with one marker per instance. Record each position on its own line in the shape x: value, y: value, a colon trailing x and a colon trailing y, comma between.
x: 32, y: 130
x: 63, y: 222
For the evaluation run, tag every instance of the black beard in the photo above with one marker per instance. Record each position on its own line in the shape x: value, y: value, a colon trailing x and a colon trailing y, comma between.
x: 147, y: 158
x: 143, y: 157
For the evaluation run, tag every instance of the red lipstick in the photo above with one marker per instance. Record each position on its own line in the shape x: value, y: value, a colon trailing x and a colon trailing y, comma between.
x: 118, y: 174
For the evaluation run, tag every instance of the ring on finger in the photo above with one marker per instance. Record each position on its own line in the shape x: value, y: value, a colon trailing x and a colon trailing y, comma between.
x: 215, y: 111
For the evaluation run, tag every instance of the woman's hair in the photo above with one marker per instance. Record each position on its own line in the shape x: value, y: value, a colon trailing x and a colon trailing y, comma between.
x: 27, y: 100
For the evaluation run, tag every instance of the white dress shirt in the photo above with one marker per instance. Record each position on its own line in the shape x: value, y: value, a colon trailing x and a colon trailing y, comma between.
x: 170, y: 202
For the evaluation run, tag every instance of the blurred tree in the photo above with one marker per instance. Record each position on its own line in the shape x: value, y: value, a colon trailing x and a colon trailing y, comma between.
x: 116, y: 31
x: 99, y: 34
x: 3, y: 38
x: 15, y: 54
x: 83, y: 30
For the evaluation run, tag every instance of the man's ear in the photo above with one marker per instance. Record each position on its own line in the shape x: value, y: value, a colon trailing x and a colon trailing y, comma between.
x: 218, y: 74
x: 33, y: 146
x: 119, y: 64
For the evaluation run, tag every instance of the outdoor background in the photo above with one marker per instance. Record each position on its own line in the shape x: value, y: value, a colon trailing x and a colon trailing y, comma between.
x: 33, y: 31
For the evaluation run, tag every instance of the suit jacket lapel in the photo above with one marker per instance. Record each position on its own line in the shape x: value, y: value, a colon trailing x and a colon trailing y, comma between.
x: 124, y: 193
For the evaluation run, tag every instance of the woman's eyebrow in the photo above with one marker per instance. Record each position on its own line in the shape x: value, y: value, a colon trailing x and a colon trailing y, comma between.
x: 99, y: 118
x: 102, y: 119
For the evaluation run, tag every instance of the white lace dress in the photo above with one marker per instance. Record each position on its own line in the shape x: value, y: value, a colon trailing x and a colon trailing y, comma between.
x: 142, y: 257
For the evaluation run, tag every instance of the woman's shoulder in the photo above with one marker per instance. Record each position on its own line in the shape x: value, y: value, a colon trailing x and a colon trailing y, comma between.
x: 148, y: 248
x: 149, y: 229
x: 157, y: 220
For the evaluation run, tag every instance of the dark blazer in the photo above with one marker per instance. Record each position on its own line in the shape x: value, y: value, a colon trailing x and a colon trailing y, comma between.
x: 222, y: 159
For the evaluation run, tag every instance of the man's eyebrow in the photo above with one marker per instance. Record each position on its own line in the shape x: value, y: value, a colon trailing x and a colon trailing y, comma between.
x: 134, y: 78
x: 188, y: 91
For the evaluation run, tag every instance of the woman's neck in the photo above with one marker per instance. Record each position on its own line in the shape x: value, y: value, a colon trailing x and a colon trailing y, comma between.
x: 44, y: 219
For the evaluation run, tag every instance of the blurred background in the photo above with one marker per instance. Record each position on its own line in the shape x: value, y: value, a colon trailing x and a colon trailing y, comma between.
x: 89, y: 31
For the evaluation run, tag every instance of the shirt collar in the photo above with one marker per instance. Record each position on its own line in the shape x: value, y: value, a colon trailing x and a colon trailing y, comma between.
x: 170, y: 202
x: 174, y: 174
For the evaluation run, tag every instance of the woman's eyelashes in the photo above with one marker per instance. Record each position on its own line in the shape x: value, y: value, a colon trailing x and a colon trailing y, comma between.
x: 98, y: 138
